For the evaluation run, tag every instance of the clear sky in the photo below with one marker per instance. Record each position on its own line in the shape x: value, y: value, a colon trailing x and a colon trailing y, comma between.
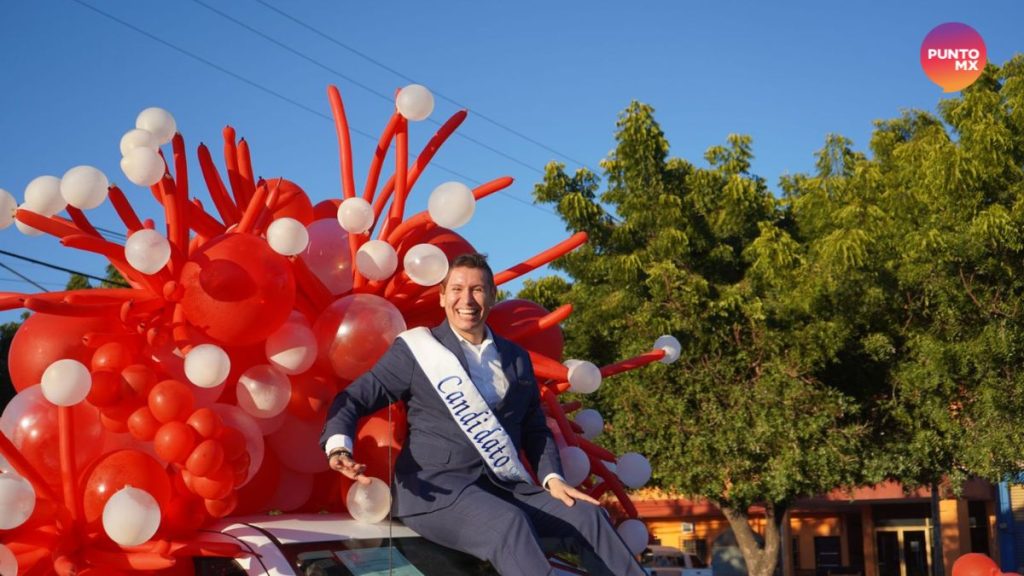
x: 75, y: 73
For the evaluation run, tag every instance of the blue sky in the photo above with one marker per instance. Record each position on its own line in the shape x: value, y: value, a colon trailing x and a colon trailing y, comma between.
x: 72, y: 80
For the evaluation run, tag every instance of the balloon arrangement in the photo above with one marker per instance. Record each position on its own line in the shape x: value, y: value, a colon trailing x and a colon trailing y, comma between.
x: 200, y: 389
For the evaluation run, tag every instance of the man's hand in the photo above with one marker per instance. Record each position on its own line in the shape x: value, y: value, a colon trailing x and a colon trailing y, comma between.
x: 343, y: 462
x: 567, y: 494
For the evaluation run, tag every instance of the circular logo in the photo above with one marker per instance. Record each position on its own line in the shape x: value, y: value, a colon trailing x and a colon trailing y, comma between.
x: 953, y: 56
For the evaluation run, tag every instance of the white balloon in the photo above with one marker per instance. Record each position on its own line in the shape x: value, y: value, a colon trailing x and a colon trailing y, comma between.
x: 633, y: 469
x: 42, y: 195
x: 634, y: 534
x: 292, y: 348
x: 376, y: 260
x: 369, y: 503
x: 426, y: 264
x: 137, y: 137
x: 451, y: 204
x: 670, y: 344
x: 131, y: 516
x: 66, y: 382
x: 355, y: 215
x: 584, y: 377
x: 415, y: 102
x: 328, y: 256
x: 207, y: 365
x: 147, y: 251
x: 287, y: 236
x: 263, y: 391
x: 8, y: 561
x: 84, y: 187
x: 159, y: 122
x: 8, y: 206
x: 17, y: 500
x: 591, y: 422
x: 143, y: 166
x: 575, y: 464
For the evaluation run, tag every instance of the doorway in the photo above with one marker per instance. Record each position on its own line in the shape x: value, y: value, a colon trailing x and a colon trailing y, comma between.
x: 902, y: 551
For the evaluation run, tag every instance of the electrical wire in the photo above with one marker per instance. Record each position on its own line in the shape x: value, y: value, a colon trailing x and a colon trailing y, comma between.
x: 23, y: 277
x: 61, y: 268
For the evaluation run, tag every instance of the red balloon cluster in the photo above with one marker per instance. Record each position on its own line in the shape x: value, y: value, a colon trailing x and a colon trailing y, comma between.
x: 210, y: 378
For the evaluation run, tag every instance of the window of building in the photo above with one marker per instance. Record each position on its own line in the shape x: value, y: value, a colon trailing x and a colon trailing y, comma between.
x: 826, y: 552
x: 696, y: 546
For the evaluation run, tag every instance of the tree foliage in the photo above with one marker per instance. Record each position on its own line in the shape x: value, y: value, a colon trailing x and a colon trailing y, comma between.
x: 865, y: 324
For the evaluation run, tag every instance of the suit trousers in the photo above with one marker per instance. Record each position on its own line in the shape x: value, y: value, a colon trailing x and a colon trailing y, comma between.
x: 512, y: 531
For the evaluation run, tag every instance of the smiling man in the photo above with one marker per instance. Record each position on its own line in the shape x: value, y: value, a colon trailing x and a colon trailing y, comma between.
x: 473, y: 408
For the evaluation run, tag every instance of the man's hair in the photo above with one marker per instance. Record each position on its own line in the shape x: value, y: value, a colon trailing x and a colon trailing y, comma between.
x: 471, y: 260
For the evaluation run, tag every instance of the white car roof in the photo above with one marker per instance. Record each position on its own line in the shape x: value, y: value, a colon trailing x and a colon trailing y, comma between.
x: 303, y: 528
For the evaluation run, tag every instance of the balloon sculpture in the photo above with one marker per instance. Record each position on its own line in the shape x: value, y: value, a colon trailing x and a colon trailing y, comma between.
x: 199, y: 390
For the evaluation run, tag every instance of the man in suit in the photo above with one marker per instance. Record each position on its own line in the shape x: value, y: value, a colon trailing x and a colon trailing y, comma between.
x: 473, y: 404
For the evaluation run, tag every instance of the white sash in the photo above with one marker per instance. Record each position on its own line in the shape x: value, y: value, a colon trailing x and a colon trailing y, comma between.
x: 466, y: 405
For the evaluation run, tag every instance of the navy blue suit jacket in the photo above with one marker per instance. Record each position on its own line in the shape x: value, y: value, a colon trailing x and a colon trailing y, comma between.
x: 437, y: 461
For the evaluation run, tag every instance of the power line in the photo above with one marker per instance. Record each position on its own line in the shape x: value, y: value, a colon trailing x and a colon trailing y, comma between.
x: 23, y: 277
x: 280, y: 96
x: 56, y: 267
x: 383, y: 66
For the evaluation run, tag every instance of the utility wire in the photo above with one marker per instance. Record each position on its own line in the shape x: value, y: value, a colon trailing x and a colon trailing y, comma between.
x: 383, y: 66
x: 280, y: 96
x: 377, y: 93
x: 23, y: 277
x: 56, y: 267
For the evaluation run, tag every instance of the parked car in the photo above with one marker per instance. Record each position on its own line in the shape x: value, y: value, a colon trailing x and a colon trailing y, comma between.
x: 669, y: 561
x: 337, y: 545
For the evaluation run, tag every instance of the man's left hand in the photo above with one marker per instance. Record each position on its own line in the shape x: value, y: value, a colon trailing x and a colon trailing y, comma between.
x: 567, y: 494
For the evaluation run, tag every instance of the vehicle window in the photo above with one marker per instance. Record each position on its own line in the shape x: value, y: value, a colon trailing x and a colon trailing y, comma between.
x: 411, y: 556
x: 697, y: 562
x: 212, y: 566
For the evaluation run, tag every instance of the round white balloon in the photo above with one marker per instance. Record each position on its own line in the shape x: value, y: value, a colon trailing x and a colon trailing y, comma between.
x: 17, y: 500
x: 369, y: 503
x: 670, y: 344
x: 584, y: 377
x: 8, y: 561
x: 263, y: 391
x: 84, y: 187
x: 451, y: 204
x: 66, y: 382
x: 8, y: 206
x: 42, y: 195
x: 143, y: 166
x: 415, y: 102
x: 137, y: 137
x: 355, y: 215
x: 591, y: 422
x: 287, y: 236
x: 147, y: 251
x: 292, y: 348
x: 426, y: 264
x: 158, y: 122
x: 131, y: 516
x: 575, y: 465
x: 376, y: 260
x: 634, y: 533
x: 633, y: 469
x: 207, y: 365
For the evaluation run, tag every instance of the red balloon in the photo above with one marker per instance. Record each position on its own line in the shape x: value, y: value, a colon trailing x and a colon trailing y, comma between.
x: 223, y: 507
x: 378, y: 442
x: 311, y: 395
x: 140, y: 379
x: 451, y: 243
x: 142, y: 424
x: 117, y: 470
x: 205, y: 422
x: 170, y: 400
x: 325, y: 495
x: 237, y: 289
x: 184, y: 514
x: 974, y: 564
x: 207, y: 457
x: 354, y: 331
x: 510, y: 315
x: 326, y: 209
x: 217, y: 485
x: 263, y: 484
x: 106, y: 388
x: 114, y: 356
x: 233, y: 442
x: 292, y: 201
x: 174, y: 441
x: 45, y: 338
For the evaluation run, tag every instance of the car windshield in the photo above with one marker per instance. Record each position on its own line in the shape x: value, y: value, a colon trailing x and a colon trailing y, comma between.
x: 407, y: 557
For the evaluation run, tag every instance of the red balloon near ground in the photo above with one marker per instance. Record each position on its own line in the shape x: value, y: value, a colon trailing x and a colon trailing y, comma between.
x: 237, y: 289
x: 974, y: 564
x: 117, y: 470
x: 512, y: 315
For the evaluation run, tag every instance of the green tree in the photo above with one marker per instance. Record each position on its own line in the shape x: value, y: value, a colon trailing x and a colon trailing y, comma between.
x: 706, y: 254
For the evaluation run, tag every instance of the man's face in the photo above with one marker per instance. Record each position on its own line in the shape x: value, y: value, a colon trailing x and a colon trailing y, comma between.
x: 467, y: 298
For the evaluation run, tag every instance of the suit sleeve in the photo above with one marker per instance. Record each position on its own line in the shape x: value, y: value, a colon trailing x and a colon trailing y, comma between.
x: 387, y: 382
x: 538, y: 442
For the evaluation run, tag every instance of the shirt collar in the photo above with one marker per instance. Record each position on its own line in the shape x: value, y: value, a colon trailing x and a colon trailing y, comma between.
x: 488, y: 338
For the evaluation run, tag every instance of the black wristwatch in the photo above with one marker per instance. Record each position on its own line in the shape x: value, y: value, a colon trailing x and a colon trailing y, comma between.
x: 339, y: 452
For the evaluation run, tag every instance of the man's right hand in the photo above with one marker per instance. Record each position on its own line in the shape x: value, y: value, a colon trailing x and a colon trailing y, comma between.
x: 343, y: 462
